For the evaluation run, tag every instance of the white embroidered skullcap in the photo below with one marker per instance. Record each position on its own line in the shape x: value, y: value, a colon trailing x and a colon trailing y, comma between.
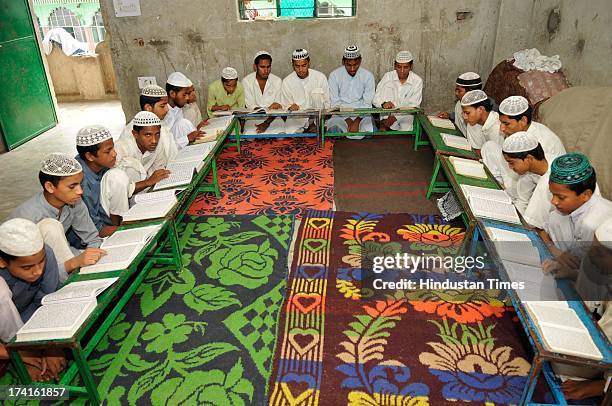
x: 153, y: 91
x: 513, y: 106
x: 300, y: 54
x: 260, y: 53
x: 20, y: 238
x: 92, y: 135
x: 469, y: 79
x: 473, y: 97
x: 604, y: 233
x: 145, y: 119
x: 352, y: 52
x: 179, y: 80
x: 520, y: 141
x: 229, y: 73
x: 404, y: 57
x: 59, y: 164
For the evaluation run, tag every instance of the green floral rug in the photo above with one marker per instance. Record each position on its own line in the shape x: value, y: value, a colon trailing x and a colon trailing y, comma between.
x: 209, y: 331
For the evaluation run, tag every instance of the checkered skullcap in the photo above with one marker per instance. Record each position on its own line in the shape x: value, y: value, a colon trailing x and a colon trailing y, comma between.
x: 59, y: 164
x: 153, y: 91
x: 229, y: 73
x: 179, y: 80
x: 570, y: 169
x: 469, y: 79
x: 473, y: 97
x: 520, y: 141
x: 300, y: 54
x: 145, y: 119
x: 352, y: 52
x: 513, y: 106
x: 92, y: 135
x: 20, y: 238
x: 404, y: 57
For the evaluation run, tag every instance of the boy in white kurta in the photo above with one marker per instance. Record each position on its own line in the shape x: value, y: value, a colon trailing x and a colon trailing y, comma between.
x: 179, y: 88
x: 304, y: 89
x: 400, y: 87
x: 262, y: 88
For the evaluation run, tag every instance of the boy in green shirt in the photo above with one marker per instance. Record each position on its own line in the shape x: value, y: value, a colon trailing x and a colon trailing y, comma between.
x: 225, y: 94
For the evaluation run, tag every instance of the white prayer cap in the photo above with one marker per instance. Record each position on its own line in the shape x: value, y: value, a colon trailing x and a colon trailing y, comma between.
x: 153, y: 91
x: 59, y: 164
x: 604, y: 234
x: 520, y: 141
x: 179, y: 80
x: 473, y: 97
x: 468, y: 79
x: 92, y: 135
x: 352, y: 52
x: 145, y: 119
x: 20, y: 238
x: 300, y: 54
x: 229, y: 73
x: 404, y: 57
x: 260, y: 53
x: 513, y: 106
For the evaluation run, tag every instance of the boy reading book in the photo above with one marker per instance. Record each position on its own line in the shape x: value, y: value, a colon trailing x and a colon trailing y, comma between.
x: 178, y: 87
x: 526, y: 158
x: 225, y: 94
x: 578, y: 212
x: 138, y: 154
x: 28, y: 271
x: 61, y: 215
x: 106, y: 189
x: 465, y: 82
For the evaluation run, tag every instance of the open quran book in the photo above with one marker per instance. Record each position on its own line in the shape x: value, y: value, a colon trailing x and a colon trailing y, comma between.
x: 515, y: 247
x: 491, y: 203
x: 121, y: 249
x: 456, y: 141
x: 562, y: 330
x: 62, y: 313
x: 468, y: 167
x: 182, y: 167
x: 152, y: 205
x: 441, y: 122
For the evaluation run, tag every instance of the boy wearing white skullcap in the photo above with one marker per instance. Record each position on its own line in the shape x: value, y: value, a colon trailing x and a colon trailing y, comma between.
x: 61, y: 215
x: 28, y: 271
x: 351, y: 86
x: 138, y: 153
x: 106, y: 189
x: 464, y: 83
x: 191, y: 110
x: 153, y: 99
x: 179, y: 87
x: 525, y: 156
x: 304, y: 89
x: 225, y: 94
x: 262, y: 88
x: 400, y: 87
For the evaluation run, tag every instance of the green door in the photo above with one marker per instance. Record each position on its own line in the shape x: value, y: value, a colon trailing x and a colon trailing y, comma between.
x: 25, y: 99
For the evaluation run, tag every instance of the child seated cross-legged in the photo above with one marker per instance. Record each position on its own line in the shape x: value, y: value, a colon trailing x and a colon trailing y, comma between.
x: 28, y: 271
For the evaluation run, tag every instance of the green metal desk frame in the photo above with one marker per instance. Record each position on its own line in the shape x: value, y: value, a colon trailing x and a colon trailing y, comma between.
x: 130, y: 279
x: 416, y: 129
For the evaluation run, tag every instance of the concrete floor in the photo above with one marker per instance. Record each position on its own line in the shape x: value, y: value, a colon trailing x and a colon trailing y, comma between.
x: 19, y: 167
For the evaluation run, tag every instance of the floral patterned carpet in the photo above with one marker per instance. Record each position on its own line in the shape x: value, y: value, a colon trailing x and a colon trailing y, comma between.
x: 337, y: 346
x: 272, y: 176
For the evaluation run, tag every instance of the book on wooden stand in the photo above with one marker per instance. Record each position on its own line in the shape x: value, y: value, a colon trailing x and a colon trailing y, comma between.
x: 121, y: 249
x: 62, y: 313
x: 456, y: 141
x: 441, y: 122
x: 151, y: 205
x: 491, y: 203
x: 468, y: 167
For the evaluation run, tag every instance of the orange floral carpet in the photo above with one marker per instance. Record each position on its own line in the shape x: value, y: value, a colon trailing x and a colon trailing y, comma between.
x: 340, y: 343
x: 272, y: 176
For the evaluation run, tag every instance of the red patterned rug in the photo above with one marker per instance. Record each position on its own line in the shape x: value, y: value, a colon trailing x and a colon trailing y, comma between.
x: 337, y: 346
x: 272, y: 176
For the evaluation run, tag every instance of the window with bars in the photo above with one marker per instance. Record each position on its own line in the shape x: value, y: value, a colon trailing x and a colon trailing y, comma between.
x: 253, y: 9
x: 97, y: 27
x: 66, y: 19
